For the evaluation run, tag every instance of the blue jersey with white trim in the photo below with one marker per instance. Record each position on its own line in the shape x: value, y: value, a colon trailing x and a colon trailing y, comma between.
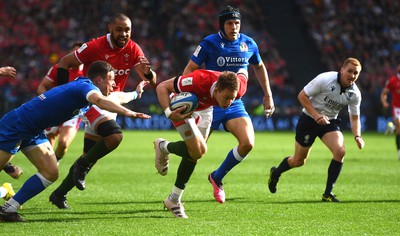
x: 219, y: 54
x: 57, y: 105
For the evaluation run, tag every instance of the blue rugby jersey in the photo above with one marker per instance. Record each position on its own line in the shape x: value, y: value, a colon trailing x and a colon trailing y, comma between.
x: 218, y: 53
x: 57, y: 105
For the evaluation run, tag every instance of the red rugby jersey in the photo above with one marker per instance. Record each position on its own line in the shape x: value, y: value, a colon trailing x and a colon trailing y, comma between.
x: 201, y: 82
x: 122, y: 59
x: 73, y: 73
x: 393, y: 85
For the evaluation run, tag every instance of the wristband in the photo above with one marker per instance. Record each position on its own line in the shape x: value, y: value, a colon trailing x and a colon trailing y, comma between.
x: 319, y: 118
x: 357, y: 136
x: 149, y: 76
x: 167, y: 112
x: 62, y: 76
x: 134, y: 95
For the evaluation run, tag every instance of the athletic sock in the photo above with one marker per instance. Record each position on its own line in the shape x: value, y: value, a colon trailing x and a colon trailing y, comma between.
x: 283, y: 166
x: 232, y: 159
x: 333, y: 174
x: 98, y: 151
x: 398, y: 141
x: 176, y: 194
x: 186, y: 166
x: 185, y: 171
x: 67, y: 184
x: 178, y: 148
x: 32, y: 187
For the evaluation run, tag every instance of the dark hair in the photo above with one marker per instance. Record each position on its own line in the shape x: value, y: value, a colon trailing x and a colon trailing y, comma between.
x: 227, y: 14
x: 76, y: 44
x: 99, y: 68
x: 227, y: 80
x: 119, y: 16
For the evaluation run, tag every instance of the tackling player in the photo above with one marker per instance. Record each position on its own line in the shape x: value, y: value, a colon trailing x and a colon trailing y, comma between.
x: 212, y: 88
x: 229, y: 50
x: 102, y: 133
x: 322, y: 99
x: 23, y: 128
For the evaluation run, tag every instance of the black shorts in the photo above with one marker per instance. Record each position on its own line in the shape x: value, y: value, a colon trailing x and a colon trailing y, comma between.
x: 307, y: 129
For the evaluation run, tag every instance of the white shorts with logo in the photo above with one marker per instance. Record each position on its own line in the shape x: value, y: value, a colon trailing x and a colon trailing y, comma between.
x: 197, y: 125
x: 92, y: 117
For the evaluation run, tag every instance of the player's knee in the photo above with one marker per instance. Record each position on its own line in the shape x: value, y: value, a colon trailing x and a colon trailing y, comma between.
x: 50, y: 174
x: 338, y: 154
x: 297, y: 162
x: 245, y: 148
x: 111, y: 133
x: 198, y: 152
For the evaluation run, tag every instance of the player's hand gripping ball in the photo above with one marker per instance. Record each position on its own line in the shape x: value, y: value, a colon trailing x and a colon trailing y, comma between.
x: 189, y: 100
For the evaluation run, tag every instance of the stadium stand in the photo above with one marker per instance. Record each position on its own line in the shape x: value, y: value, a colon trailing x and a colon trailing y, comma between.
x: 35, y: 34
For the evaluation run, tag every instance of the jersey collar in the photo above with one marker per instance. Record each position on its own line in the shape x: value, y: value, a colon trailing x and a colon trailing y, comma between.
x: 342, y: 89
x: 225, y: 39
x: 212, y: 89
x: 108, y: 36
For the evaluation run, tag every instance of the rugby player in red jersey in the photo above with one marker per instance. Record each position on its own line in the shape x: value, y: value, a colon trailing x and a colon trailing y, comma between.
x: 102, y: 133
x: 212, y: 88
x: 392, y: 86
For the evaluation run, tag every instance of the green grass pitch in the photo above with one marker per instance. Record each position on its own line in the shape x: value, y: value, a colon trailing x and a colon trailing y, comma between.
x: 124, y: 193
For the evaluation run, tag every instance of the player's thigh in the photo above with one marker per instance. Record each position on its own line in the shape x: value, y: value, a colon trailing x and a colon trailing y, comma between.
x: 43, y: 158
x: 193, y: 137
x: 242, y: 129
x: 301, y: 154
x: 67, y: 134
x: 335, y: 142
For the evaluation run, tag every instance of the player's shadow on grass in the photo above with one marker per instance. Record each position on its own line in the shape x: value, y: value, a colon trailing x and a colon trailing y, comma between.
x: 156, y: 202
x: 96, y: 215
x: 341, y: 202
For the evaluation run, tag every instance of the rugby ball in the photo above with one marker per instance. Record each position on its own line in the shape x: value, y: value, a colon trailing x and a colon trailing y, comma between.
x: 184, y: 99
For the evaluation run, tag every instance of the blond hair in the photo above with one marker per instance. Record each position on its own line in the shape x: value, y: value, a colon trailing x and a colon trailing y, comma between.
x: 353, y: 61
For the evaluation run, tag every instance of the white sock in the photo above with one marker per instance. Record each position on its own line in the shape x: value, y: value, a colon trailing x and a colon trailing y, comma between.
x: 163, y: 146
x: 11, y: 206
x: 176, y: 194
x: 3, y: 192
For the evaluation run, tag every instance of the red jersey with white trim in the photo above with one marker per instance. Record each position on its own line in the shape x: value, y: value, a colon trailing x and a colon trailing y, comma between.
x: 122, y: 59
x: 73, y: 74
x: 393, y: 85
x: 202, y: 83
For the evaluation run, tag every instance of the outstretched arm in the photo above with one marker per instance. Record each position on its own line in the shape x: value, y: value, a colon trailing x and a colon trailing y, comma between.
x: 107, y: 104
x: 8, y: 71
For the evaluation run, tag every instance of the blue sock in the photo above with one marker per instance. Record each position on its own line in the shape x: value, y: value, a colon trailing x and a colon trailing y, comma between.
x: 232, y: 159
x: 32, y: 187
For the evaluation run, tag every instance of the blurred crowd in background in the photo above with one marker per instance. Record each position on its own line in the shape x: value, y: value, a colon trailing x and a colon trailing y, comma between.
x: 35, y: 34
